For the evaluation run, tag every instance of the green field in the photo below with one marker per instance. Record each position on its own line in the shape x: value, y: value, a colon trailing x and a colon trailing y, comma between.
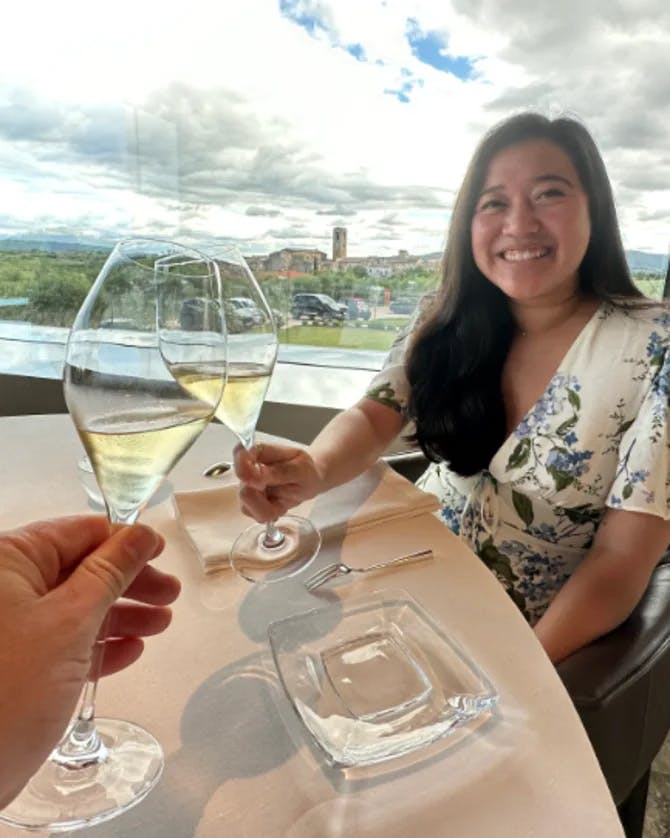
x: 346, y: 337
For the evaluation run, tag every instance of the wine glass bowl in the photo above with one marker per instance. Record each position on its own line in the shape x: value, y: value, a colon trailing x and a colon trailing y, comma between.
x: 127, y: 358
x: 123, y: 384
x: 280, y: 548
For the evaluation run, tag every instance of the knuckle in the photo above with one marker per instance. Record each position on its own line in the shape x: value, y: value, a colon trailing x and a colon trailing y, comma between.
x: 106, y: 572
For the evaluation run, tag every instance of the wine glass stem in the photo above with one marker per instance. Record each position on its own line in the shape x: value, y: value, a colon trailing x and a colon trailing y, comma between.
x: 81, y: 745
x: 272, y: 537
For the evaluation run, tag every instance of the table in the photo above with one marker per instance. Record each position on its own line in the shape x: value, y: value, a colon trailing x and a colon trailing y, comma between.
x: 237, y: 764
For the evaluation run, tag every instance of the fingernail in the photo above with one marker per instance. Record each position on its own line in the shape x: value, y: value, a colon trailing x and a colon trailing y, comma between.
x: 142, y: 541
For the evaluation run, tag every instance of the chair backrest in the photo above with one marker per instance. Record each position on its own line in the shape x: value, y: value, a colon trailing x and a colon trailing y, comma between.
x: 620, y: 685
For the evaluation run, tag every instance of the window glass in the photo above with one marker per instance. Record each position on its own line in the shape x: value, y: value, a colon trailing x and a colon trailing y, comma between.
x: 326, y: 142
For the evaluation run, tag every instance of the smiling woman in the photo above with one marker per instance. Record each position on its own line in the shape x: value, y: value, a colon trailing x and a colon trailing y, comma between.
x: 555, y: 481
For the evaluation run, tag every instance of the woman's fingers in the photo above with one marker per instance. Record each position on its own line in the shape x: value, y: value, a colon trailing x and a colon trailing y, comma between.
x: 246, y: 467
x: 128, y: 619
x: 287, y: 496
x: 258, y: 506
x: 270, y: 454
x: 272, y: 465
x: 274, y: 478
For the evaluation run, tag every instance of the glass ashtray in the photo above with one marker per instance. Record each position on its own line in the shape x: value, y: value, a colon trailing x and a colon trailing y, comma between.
x: 381, y: 678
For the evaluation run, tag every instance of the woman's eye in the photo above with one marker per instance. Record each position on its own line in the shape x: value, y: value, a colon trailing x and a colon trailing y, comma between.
x: 491, y: 204
x: 548, y: 194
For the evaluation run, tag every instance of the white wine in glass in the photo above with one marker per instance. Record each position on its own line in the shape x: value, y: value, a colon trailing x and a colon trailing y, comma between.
x: 129, y: 346
x: 263, y: 552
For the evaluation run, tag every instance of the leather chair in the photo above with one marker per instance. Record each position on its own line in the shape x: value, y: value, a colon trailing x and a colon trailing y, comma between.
x: 620, y: 685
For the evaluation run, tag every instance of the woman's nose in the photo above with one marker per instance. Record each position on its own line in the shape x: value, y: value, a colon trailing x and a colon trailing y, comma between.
x: 521, y: 218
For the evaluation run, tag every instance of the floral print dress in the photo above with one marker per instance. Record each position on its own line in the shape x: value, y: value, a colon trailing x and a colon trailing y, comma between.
x: 596, y: 438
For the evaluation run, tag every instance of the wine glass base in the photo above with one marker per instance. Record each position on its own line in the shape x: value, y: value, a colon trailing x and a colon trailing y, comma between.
x: 62, y: 799
x: 257, y: 563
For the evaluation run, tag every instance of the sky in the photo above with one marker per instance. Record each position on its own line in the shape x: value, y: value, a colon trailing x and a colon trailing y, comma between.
x: 269, y: 122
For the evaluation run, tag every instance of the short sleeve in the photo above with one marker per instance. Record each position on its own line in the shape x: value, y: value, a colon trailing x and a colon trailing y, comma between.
x: 642, y: 480
x: 390, y: 386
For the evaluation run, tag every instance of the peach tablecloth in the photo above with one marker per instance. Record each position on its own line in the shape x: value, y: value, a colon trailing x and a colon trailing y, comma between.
x: 238, y: 761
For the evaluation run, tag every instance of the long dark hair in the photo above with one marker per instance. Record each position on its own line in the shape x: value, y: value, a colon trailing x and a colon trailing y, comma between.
x: 455, y: 362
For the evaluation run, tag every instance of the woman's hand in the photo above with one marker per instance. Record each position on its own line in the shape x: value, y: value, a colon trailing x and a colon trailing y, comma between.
x: 275, y: 478
x: 607, y: 584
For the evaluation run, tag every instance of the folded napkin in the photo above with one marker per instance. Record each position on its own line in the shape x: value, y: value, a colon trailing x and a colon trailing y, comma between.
x: 213, y: 519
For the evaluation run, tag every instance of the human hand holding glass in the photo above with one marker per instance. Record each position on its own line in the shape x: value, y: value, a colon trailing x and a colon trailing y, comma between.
x: 135, y: 422
x: 282, y: 547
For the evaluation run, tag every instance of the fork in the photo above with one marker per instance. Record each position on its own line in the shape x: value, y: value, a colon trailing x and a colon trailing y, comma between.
x: 332, y: 571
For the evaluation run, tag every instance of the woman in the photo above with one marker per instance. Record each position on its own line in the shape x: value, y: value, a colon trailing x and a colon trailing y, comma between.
x: 538, y: 383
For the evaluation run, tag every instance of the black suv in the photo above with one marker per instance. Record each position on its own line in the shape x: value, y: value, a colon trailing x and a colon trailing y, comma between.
x: 318, y: 307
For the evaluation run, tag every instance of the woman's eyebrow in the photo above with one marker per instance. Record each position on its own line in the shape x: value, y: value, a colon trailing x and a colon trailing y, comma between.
x: 551, y: 177
x: 488, y: 189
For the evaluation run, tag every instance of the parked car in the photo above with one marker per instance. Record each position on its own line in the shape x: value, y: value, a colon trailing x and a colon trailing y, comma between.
x: 247, y: 310
x: 198, y: 313
x: 357, y: 309
x: 316, y: 307
x: 403, y: 305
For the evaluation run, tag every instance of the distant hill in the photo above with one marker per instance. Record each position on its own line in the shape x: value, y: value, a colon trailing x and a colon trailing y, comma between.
x: 640, y: 261
x: 55, y: 243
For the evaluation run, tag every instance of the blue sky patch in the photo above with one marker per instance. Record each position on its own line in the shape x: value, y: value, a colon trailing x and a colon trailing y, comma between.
x: 357, y: 51
x: 291, y: 10
x: 311, y: 23
x: 431, y: 48
x: 402, y: 92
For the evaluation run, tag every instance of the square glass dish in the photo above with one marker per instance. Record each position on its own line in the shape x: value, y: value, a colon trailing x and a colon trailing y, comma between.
x: 376, y: 678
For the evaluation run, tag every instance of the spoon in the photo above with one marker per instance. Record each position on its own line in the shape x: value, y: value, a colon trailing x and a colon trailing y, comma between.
x: 217, y: 469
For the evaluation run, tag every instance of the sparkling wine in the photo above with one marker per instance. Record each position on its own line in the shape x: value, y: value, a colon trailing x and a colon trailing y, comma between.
x: 243, y: 394
x: 132, y: 452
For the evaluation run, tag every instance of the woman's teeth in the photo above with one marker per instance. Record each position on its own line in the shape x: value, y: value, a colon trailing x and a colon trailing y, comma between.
x: 524, y: 255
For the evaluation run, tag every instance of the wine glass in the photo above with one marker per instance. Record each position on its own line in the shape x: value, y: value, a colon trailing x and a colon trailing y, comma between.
x: 273, y: 551
x: 130, y: 344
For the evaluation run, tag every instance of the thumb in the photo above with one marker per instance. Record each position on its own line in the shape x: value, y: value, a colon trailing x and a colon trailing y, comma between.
x: 103, y: 576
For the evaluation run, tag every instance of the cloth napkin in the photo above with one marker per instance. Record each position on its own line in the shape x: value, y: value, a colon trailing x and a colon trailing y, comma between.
x: 213, y: 519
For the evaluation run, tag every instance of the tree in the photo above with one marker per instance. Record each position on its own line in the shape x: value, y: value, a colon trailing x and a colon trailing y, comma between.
x: 57, y: 299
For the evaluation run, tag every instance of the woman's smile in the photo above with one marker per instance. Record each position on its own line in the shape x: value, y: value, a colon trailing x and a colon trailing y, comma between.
x: 525, y: 255
x: 531, y: 224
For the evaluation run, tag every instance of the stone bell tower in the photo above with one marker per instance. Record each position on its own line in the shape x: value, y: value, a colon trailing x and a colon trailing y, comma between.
x: 339, y: 243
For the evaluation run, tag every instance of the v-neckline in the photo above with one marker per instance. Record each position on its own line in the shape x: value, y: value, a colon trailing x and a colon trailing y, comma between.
x: 586, y: 328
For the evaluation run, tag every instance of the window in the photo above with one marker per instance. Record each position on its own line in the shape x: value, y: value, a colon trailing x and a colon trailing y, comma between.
x: 174, y: 127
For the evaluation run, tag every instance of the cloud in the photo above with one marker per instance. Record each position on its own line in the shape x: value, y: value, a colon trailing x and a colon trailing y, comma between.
x: 339, y: 211
x: 390, y: 220
x: 262, y: 211
x: 293, y: 233
x: 316, y: 112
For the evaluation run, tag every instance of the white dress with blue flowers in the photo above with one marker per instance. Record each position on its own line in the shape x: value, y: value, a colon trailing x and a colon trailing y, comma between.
x: 597, y: 438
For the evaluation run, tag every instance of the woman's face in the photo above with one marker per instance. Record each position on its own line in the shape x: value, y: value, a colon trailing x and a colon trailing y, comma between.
x: 531, y: 225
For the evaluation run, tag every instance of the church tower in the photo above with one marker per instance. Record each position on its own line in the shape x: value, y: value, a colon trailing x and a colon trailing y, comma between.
x: 339, y: 243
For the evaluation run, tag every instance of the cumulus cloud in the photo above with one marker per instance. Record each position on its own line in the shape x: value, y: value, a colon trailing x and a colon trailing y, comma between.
x: 362, y: 114
x: 264, y: 212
